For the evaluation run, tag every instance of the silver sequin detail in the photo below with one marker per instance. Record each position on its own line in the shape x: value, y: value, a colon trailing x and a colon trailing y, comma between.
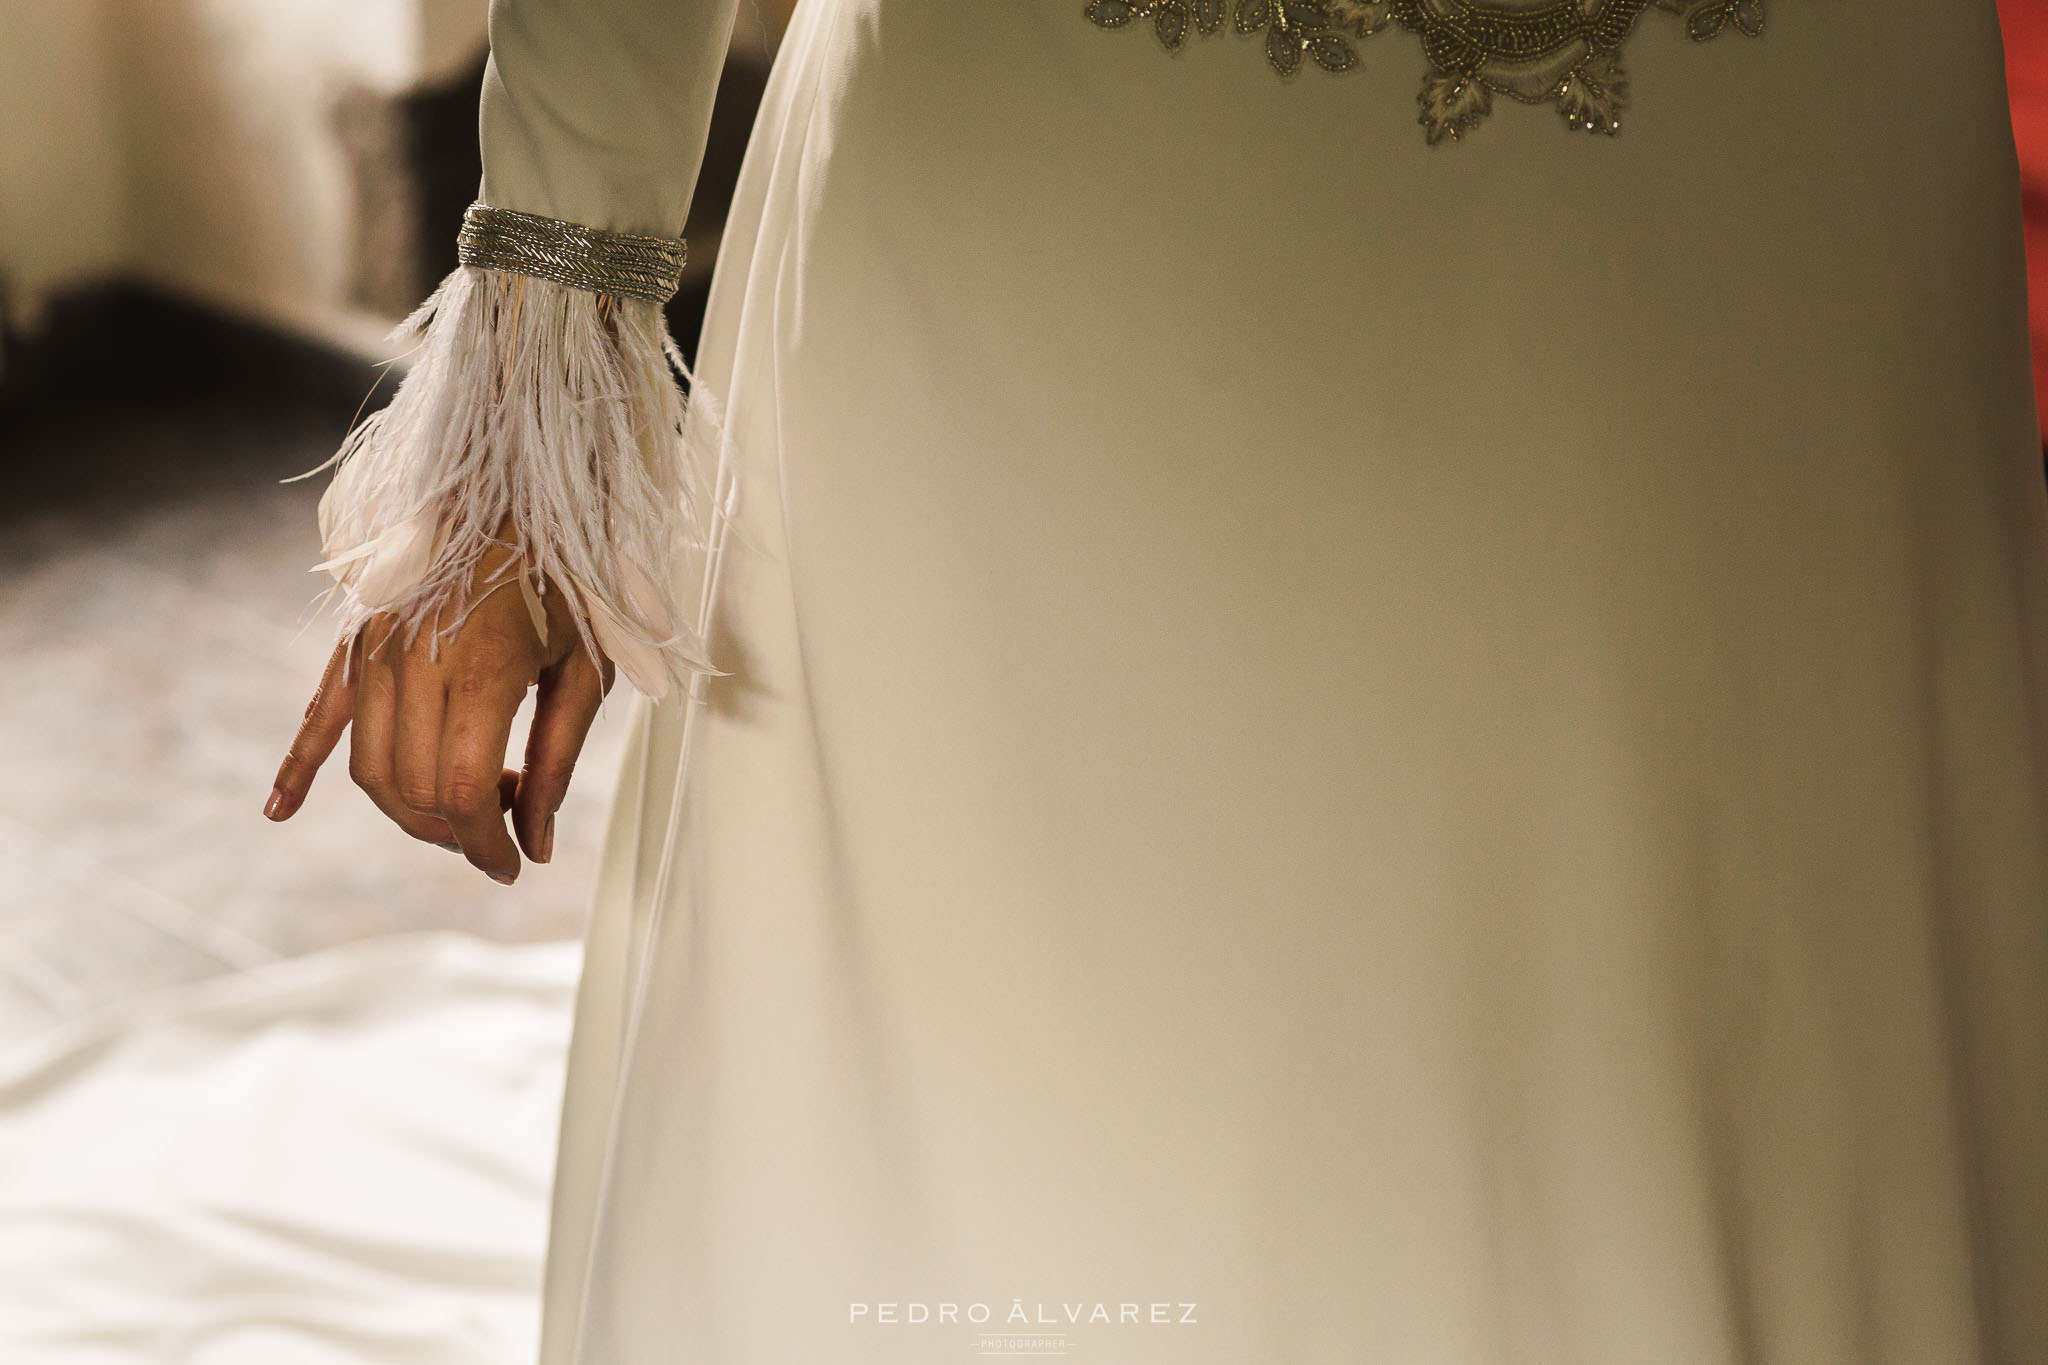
x: 603, y: 262
x: 1565, y: 53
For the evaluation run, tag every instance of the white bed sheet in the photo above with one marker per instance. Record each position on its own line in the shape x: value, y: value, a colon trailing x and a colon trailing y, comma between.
x: 336, y: 1159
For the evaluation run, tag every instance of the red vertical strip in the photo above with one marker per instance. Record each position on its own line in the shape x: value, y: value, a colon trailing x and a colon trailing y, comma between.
x: 2026, y: 73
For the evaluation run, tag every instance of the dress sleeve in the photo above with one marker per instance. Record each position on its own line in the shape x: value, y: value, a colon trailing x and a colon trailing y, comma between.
x: 542, y: 407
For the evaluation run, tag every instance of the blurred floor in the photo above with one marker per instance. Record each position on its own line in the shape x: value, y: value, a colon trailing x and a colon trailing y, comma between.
x: 157, y: 647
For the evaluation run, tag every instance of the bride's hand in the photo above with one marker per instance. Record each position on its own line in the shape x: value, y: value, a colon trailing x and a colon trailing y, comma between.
x: 431, y: 733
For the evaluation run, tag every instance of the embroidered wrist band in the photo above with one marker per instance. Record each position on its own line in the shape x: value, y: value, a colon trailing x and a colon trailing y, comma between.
x: 581, y: 257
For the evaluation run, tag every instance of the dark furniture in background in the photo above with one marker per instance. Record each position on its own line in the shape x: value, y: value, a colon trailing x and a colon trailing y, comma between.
x: 414, y: 169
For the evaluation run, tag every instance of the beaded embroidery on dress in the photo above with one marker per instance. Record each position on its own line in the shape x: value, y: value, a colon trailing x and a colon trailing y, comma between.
x: 1565, y: 53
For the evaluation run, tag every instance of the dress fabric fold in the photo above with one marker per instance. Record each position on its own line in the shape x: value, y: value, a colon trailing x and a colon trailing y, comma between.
x: 1438, y: 751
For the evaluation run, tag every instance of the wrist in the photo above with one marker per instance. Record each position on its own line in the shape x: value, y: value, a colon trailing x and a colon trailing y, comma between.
x: 625, y: 264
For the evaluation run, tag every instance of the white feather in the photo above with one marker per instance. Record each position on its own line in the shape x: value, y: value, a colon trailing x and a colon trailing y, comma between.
x: 553, y: 411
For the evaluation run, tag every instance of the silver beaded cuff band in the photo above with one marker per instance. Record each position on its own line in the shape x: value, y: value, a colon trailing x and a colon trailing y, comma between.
x: 581, y: 257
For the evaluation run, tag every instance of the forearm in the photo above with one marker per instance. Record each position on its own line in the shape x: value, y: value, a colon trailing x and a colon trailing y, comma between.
x: 542, y: 408
x: 596, y: 111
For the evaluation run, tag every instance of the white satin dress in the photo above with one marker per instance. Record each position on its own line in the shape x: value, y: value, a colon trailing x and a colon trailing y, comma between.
x: 1337, y: 749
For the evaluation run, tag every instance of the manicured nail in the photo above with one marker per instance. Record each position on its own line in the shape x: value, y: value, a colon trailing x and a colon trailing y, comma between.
x: 502, y: 878
x: 452, y: 848
x: 547, y: 839
x: 273, y: 809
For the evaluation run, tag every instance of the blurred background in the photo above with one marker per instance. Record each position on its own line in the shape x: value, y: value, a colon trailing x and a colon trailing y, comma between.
x: 269, y: 1094
x: 244, y: 1066
x: 211, y: 213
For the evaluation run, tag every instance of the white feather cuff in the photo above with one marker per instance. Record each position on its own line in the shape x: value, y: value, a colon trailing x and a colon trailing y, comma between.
x: 548, y: 410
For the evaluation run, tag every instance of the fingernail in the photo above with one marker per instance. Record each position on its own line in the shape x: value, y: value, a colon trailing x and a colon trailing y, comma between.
x: 547, y: 839
x: 502, y: 878
x: 273, y: 809
x: 452, y: 848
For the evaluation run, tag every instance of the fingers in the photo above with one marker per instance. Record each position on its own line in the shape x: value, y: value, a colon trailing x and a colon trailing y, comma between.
x: 422, y: 702
x: 482, y: 701
x: 563, y: 711
x: 372, y: 760
x: 430, y: 719
x: 328, y: 714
